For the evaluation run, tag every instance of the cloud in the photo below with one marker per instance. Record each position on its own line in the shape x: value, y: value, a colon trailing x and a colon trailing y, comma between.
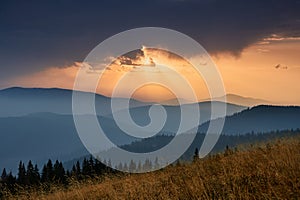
x: 261, y: 50
x: 60, y: 77
x: 279, y: 66
x: 132, y: 61
x: 35, y: 35
x: 276, y: 37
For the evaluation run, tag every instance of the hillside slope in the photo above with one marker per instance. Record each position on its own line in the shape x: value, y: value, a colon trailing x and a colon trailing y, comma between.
x: 269, y: 171
x: 260, y: 119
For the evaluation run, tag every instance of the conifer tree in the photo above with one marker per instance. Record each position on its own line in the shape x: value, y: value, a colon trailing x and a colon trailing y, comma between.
x: 50, y: 173
x: 125, y: 167
x: 139, y: 167
x: 47, y: 172
x: 21, y: 174
x: 78, y: 170
x: 4, y: 175
x: 59, y: 172
x: 120, y: 167
x: 196, y: 155
x: 30, y: 173
x: 99, y: 167
x: 73, y: 171
x: 44, y: 176
x: 156, y: 163
x: 91, y: 166
x: 10, y: 182
x: 108, y: 168
x: 147, y: 165
x: 132, y: 166
x: 85, y: 167
x: 36, y: 174
x: 109, y: 163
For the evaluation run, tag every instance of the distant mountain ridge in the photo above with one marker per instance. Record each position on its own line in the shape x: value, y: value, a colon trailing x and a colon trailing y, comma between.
x: 240, y: 100
x: 37, y: 124
x: 17, y: 101
x: 41, y: 136
x: 246, y: 101
x: 261, y: 118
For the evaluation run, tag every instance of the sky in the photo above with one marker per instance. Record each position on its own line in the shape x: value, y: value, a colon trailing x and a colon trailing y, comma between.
x: 254, y: 44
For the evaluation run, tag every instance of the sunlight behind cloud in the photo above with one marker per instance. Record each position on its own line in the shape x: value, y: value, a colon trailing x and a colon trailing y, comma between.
x: 252, y: 74
x: 152, y: 64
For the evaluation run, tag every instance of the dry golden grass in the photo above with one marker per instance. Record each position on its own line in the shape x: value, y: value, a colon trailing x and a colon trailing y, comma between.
x: 269, y: 171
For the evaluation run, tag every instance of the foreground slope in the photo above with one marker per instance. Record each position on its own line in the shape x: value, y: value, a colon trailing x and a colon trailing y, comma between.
x: 262, y: 172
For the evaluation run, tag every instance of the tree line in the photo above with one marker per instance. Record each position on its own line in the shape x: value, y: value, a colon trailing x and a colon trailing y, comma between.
x: 52, y: 173
x: 55, y: 173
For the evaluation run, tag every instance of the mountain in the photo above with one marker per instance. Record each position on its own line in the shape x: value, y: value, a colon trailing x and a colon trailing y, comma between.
x: 36, y: 137
x: 260, y: 119
x: 240, y: 100
x: 141, y: 117
x: 38, y: 124
x: 260, y: 123
x: 41, y: 136
x: 246, y: 101
x: 18, y: 101
x: 157, y: 142
x: 175, y: 102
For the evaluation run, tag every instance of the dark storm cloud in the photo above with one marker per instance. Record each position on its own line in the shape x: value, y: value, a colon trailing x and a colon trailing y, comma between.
x: 39, y: 34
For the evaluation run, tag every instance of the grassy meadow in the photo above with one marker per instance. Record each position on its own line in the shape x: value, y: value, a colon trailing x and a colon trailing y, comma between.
x: 263, y: 171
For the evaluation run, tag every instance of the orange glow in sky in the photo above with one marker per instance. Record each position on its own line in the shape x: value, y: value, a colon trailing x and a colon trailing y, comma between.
x: 269, y: 69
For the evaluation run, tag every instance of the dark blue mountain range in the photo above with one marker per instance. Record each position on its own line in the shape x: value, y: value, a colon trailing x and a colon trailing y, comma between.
x: 37, y: 124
